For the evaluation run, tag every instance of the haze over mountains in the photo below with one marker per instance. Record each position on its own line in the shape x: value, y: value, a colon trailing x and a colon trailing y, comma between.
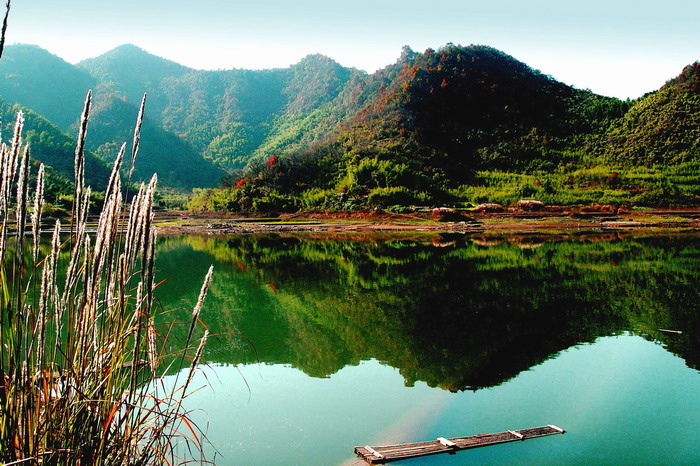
x: 435, y: 115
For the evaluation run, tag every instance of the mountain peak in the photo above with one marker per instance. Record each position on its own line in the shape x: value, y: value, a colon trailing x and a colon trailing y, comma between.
x: 316, y: 79
x: 129, y: 71
x: 128, y: 48
x: 22, y: 52
x: 317, y: 58
x: 688, y: 80
x: 30, y: 75
x: 132, y: 55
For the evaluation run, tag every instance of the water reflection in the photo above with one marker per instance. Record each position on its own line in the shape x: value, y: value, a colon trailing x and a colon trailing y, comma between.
x: 457, y: 312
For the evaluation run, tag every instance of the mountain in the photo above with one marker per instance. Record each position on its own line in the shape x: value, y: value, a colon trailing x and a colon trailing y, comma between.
x: 422, y: 126
x: 661, y: 128
x: 227, y: 116
x: 128, y: 71
x: 176, y: 163
x: 430, y: 128
x: 55, y: 149
x: 47, y: 84
x: 313, y: 89
x: 461, y: 108
x: 56, y: 90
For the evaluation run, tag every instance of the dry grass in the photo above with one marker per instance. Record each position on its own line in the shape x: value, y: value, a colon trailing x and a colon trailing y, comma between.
x: 81, y: 351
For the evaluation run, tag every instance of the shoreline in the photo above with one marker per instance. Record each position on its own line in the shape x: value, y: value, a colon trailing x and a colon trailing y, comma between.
x: 687, y: 219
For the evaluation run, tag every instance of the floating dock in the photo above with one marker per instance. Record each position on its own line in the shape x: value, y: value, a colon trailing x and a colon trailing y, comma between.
x: 388, y: 453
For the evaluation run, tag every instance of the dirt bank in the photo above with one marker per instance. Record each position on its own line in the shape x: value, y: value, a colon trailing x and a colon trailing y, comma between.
x: 601, y: 218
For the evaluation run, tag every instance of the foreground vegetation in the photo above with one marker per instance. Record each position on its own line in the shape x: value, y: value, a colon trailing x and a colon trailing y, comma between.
x: 82, y: 344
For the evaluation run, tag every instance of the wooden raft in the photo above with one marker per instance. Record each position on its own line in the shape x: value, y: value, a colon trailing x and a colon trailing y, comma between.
x: 388, y: 453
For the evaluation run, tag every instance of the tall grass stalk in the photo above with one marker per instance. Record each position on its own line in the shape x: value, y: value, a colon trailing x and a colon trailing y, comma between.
x: 3, y: 31
x: 81, y: 352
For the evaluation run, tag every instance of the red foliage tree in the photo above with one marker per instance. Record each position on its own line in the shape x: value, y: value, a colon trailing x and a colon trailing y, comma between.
x: 271, y: 162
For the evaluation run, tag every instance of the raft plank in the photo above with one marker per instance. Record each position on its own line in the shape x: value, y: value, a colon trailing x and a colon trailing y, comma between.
x: 446, y: 442
x: 388, y: 453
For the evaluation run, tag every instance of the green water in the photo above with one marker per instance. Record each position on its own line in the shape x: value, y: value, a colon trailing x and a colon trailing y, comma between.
x: 326, y: 342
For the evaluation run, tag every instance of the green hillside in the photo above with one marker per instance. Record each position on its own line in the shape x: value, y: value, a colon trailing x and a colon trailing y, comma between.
x: 54, y: 148
x: 47, y: 84
x: 454, y: 126
x: 313, y: 90
x: 177, y: 164
x: 663, y: 127
x: 225, y: 115
x: 129, y: 71
x: 423, y: 127
x: 466, y: 125
x: 56, y: 90
x: 228, y: 116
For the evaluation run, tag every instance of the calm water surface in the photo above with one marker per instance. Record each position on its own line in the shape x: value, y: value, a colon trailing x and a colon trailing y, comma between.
x: 326, y: 342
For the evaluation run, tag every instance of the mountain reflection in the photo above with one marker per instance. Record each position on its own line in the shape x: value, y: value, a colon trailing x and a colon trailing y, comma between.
x: 457, y: 312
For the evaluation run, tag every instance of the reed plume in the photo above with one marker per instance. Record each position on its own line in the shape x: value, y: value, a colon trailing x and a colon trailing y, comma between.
x: 79, y: 381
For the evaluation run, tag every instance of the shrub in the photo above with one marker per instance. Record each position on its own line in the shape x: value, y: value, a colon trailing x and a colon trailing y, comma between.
x: 665, y: 194
x: 382, y: 197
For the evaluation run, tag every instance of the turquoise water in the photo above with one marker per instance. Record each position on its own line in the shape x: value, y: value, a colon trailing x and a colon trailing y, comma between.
x: 327, y: 343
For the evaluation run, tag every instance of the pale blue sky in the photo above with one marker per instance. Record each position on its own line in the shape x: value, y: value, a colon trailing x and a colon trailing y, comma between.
x: 618, y: 48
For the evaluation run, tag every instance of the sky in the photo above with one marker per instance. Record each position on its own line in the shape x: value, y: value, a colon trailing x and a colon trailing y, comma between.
x: 616, y: 48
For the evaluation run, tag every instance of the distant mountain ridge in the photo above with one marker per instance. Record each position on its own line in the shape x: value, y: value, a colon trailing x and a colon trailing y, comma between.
x: 47, y: 84
x: 436, y: 115
x: 36, y: 79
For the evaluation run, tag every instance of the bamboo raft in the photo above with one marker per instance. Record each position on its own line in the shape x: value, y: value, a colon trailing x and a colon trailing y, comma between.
x: 388, y: 453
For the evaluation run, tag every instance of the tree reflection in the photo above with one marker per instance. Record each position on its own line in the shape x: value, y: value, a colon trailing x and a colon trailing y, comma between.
x: 457, y: 312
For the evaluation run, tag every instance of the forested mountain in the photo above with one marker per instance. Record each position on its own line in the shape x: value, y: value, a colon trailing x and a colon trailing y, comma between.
x: 228, y: 117
x: 424, y: 125
x: 55, y: 89
x: 429, y: 128
x: 129, y: 71
x: 55, y: 149
x: 663, y: 127
x: 225, y: 115
x: 47, y: 84
x: 178, y: 165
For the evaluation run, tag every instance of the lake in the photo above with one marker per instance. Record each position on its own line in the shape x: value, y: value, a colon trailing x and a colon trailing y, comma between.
x: 327, y: 341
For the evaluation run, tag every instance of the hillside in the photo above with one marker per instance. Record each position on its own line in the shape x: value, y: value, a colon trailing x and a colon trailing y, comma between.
x: 56, y: 90
x: 177, y: 164
x: 313, y: 89
x: 129, y: 71
x: 47, y: 84
x: 456, y: 125
x: 663, y: 127
x: 234, y: 117
x: 227, y: 116
x: 462, y: 108
x: 423, y: 126
x: 224, y: 115
x: 54, y: 148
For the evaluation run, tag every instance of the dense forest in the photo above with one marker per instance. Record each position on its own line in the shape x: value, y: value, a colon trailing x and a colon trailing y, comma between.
x: 455, y: 126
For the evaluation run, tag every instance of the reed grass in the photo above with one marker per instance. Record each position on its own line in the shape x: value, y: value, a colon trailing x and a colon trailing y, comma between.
x: 83, y: 351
